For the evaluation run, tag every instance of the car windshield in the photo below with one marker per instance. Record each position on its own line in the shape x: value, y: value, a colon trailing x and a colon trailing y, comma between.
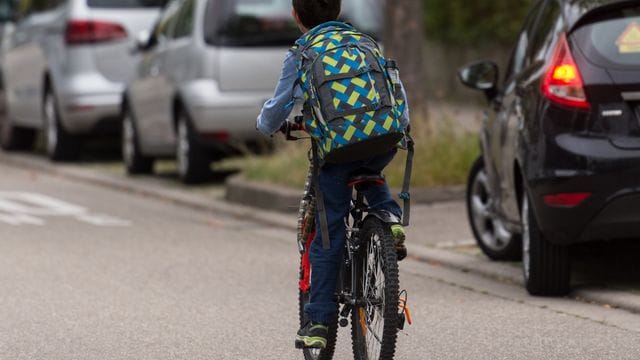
x: 126, y: 3
x: 613, y: 41
x: 269, y: 22
x: 6, y: 10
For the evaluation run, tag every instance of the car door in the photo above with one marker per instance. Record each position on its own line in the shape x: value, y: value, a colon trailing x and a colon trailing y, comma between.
x: 149, y: 91
x: 525, y: 96
x: 25, y: 62
x: 178, y: 61
x: 506, y: 111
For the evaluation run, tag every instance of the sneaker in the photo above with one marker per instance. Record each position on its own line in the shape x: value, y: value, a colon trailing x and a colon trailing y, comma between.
x: 312, y: 336
x: 397, y: 231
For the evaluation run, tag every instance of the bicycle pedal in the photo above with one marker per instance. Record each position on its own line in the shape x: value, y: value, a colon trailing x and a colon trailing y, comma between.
x: 401, y: 320
x: 404, y: 314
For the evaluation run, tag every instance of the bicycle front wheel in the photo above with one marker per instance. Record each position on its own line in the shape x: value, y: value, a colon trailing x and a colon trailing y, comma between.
x: 374, y: 323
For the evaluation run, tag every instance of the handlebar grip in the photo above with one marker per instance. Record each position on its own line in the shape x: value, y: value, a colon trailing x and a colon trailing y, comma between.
x: 296, y: 127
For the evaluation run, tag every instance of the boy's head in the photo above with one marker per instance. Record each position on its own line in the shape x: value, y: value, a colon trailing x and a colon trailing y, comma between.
x: 311, y: 13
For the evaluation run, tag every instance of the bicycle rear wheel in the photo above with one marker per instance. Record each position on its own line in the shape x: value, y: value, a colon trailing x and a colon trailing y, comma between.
x: 374, y: 326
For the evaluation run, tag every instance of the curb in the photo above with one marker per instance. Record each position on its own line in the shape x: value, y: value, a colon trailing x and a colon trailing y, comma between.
x: 504, y: 272
x: 512, y: 273
x: 285, y: 200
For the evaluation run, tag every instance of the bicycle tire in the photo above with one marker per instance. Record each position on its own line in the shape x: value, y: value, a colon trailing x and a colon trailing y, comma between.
x: 332, y: 337
x: 378, y: 246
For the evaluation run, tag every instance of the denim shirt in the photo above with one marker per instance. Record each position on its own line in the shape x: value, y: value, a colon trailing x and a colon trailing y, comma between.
x: 276, y: 110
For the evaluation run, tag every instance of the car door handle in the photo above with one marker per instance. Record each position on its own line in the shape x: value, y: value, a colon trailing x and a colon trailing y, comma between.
x: 154, y: 71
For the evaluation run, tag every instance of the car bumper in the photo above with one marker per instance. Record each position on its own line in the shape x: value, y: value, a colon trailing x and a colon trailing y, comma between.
x: 90, y: 104
x: 214, y: 112
x: 590, y: 165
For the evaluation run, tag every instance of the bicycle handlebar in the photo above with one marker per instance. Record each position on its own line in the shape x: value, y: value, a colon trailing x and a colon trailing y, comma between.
x: 288, y: 127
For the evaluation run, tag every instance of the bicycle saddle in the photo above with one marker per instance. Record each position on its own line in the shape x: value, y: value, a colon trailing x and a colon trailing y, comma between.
x: 359, y: 180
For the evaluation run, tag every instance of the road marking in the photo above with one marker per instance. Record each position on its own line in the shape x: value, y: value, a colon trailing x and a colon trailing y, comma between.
x: 20, y: 219
x: 102, y: 220
x: 24, y: 208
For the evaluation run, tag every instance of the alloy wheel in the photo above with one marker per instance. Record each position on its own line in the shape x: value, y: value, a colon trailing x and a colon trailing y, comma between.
x: 52, y: 134
x: 490, y: 228
x: 128, y: 139
x: 183, y: 148
x: 526, y: 238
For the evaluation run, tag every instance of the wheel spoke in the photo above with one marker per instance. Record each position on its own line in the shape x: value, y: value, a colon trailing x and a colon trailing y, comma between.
x: 373, y: 291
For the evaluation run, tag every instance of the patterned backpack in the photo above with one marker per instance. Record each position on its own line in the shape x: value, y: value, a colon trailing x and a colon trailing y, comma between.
x: 353, y: 104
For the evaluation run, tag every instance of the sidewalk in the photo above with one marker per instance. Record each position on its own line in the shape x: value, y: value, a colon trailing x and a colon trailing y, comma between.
x: 439, y: 234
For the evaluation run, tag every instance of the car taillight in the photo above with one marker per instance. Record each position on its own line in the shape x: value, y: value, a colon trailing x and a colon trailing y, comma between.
x: 93, y: 31
x: 566, y: 200
x: 563, y: 83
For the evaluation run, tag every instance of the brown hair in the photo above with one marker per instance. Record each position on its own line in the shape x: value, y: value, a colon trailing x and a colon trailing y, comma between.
x: 315, y: 12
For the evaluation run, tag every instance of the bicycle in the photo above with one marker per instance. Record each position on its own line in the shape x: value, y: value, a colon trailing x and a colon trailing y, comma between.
x: 368, y: 286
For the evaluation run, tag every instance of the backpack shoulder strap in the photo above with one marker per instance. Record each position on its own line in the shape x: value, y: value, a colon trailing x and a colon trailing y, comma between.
x: 322, y: 212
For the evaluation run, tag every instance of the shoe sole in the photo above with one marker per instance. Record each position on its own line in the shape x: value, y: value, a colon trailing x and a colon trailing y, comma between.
x: 303, y: 342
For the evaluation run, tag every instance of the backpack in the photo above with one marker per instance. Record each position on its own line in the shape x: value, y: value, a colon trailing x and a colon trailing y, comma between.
x: 353, y: 102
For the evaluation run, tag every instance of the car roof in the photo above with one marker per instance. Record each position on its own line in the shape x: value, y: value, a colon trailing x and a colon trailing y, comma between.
x: 575, y: 10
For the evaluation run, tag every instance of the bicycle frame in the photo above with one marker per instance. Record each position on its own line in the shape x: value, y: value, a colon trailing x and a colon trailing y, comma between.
x: 346, y: 294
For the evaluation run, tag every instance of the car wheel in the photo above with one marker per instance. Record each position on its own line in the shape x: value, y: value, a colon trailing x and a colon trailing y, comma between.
x: 491, y: 235
x: 13, y: 137
x: 60, y: 144
x: 191, y: 158
x: 546, y: 266
x: 134, y: 161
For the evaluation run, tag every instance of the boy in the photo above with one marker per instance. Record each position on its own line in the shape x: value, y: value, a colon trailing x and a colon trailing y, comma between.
x: 312, y: 16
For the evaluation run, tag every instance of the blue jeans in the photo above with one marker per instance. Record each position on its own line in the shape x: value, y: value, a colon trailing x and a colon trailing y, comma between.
x: 325, y: 264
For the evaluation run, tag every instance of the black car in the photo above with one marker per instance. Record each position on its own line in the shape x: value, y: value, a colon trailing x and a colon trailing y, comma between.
x: 560, y: 160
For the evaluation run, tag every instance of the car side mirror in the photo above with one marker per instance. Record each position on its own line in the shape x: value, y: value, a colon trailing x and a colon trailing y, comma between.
x: 143, y: 41
x: 481, y: 76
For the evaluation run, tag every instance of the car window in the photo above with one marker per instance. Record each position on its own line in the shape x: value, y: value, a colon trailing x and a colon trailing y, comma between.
x: 184, y: 20
x: 250, y: 23
x: 612, y: 40
x: 126, y: 3
x: 366, y: 15
x: 269, y: 22
x: 518, y: 57
x: 6, y: 11
x: 549, y: 25
x: 164, y: 28
x: 26, y: 7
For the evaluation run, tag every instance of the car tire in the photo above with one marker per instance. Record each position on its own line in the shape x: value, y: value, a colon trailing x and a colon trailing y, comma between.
x: 135, y: 163
x: 490, y: 234
x: 546, y: 266
x: 13, y: 137
x: 192, y: 161
x: 60, y: 145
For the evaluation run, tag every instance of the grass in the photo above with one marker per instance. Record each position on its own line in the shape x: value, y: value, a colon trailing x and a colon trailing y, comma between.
x: 443, y: 157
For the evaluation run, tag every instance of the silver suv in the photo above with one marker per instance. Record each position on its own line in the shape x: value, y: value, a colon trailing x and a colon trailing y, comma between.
x: 65, y: 67
x: 207, y: 68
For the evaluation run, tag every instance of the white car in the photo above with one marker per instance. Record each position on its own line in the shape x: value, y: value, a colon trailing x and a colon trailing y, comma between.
x: 65, y: 66
x: 207, y: 68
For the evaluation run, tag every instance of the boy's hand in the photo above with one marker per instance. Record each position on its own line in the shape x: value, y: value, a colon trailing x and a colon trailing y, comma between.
x: 288, y: 127
x: 284, y: 128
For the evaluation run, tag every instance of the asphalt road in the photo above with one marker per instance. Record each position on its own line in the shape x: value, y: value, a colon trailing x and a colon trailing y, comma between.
x: 89, y: 273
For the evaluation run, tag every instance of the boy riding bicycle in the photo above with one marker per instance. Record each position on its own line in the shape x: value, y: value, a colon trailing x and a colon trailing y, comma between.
x: 316, y: 19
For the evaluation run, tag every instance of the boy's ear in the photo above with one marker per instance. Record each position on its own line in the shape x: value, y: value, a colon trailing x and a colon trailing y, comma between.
x: 296, y: 17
